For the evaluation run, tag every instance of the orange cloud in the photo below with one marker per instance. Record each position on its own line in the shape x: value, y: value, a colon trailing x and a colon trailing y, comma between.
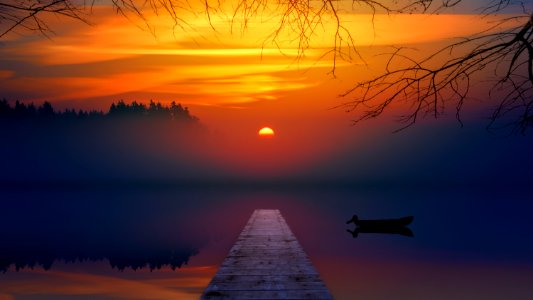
x: 403, y: 29
x: 224, y: 67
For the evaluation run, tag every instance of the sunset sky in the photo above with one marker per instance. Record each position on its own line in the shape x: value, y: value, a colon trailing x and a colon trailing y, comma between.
x: 233, y: 78
x: 227, y: 67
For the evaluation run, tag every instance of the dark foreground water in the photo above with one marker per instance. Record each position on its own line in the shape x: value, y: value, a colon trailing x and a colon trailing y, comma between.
x: 166, y: 243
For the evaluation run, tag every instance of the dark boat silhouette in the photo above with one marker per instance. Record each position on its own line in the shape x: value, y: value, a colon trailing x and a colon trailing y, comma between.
x: 388, y: 226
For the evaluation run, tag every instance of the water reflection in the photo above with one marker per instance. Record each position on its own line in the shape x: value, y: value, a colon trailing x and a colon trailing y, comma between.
x: 84, y: 238
x: 128, y: 232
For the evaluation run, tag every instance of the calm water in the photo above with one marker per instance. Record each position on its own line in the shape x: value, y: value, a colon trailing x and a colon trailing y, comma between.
x: 163, y: 243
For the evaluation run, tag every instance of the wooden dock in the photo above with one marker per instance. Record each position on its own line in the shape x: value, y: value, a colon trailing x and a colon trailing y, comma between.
x: 266, y: 262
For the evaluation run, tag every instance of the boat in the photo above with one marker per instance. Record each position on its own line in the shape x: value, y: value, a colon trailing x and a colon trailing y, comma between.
x: 383, y: 223
x: 388, y: 226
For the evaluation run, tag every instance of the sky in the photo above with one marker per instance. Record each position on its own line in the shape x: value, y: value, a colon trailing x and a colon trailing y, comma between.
x: 228, y: 66
x: 237, y: 80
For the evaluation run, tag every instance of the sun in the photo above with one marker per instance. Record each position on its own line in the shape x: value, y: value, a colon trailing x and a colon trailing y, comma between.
x: 266, y: 132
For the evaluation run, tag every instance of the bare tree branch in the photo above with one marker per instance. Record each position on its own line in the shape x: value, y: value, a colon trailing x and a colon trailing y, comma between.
x: 444, y: 78
x: 28, y: 14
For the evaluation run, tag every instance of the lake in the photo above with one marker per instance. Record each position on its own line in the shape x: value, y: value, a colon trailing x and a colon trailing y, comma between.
x: 162, y: 242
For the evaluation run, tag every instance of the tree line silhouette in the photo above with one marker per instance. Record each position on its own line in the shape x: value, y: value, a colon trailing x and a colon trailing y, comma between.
x: 118, y: 110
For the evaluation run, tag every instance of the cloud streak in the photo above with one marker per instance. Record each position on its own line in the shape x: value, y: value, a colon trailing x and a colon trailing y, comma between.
x: 222, y: 67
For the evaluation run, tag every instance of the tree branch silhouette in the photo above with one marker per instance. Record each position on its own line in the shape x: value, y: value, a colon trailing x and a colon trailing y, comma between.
x: 432, y: 83
x: 29, y: 14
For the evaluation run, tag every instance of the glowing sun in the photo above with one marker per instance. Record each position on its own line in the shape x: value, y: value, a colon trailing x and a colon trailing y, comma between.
x: 266, y: 132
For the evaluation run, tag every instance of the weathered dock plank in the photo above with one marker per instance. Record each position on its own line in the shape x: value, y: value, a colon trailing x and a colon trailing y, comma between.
x: 266, y: 262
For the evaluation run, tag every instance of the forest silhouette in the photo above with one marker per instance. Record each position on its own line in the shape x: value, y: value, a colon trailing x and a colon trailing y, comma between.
x: 120, y: 110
